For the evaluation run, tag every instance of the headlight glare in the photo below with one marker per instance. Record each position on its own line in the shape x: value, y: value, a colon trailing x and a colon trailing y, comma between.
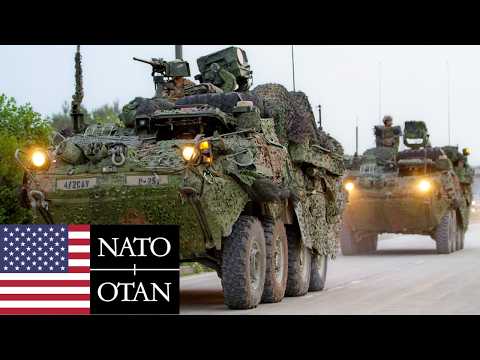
x: 349, y: 186
x: 188, y: 152
x: 424, y: 185
x: 39, y: 159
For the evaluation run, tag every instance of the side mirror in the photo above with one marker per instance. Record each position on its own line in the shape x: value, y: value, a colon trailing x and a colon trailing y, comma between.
x: 466, y: 151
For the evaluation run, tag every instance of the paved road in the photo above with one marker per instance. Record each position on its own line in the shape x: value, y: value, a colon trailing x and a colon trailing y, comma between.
x: 405, y: 276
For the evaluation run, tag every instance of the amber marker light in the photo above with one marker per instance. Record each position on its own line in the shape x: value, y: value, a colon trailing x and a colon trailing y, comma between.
x: 204, y: 145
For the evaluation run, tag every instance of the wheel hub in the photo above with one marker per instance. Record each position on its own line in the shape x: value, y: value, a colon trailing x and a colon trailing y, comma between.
x: 278, y: 259
x: 254, y: 265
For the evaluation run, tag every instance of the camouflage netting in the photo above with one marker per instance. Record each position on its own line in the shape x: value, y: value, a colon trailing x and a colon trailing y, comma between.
x: 291, y: 123
x: 453, y: 154
x: 429, y: 153
x: 224, y: 102
x: 143, y: 106
x: 303, y: 127
x: 293, y: 115
x: 329, y: 142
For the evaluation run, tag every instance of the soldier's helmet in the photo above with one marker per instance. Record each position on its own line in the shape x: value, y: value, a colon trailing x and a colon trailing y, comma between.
x: 387, y: 118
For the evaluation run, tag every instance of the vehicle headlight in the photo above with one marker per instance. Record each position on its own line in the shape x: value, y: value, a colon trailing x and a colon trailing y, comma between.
x: 189, y: 152
x: 424, y: 185
x: 200, y: 152
x: 349, y: 186
x: 39, y: 159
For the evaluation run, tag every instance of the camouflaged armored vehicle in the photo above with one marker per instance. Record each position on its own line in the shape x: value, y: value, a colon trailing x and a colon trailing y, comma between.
x: 254, y: 185
x: 421, y: 190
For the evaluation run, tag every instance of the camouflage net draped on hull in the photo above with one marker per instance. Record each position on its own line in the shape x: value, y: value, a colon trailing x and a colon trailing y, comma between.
x: 323, y: 202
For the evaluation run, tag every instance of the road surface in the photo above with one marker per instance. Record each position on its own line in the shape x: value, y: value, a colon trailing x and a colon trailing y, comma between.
x: 405, y: 276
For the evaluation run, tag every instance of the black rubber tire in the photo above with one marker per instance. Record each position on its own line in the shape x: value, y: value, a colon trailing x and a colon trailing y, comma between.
x: 354, y: 243
x: 371, y: 241
x: 462, y: 241
x: 318, y: 276
x: 238, y: 290
x: 460, y: 237
x: 276, y: 272
x: 299, y: 264
x: 445, y: 233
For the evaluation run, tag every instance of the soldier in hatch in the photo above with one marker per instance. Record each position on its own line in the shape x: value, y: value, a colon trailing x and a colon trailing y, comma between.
x: 175, y: 88
x: 388, y: 135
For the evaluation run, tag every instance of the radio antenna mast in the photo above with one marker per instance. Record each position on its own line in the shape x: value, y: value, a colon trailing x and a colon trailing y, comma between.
x: 380, y: 90
x: 448, y: 103
x: 356, y: 137
x: 76, y: 111
x: 293, y: 69
x: 178, y: 52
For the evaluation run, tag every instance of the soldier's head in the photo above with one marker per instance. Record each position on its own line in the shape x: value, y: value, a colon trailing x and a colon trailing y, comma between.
x: 178, y: 80
x: 387, y: 121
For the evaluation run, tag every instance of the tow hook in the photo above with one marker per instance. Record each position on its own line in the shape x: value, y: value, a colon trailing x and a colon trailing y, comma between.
x: 37, y: 199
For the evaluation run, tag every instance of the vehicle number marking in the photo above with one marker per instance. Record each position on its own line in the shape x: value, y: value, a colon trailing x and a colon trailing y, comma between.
x: 76, y: 184
x: 151, y: 180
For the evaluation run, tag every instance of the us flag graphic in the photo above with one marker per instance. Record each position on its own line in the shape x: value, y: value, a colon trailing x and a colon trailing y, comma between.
x: 45, y: 269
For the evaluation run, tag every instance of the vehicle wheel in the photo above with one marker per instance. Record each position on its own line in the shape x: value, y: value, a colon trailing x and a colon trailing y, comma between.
x: 299, y: 264
x: 276, y: 273
x: 460, y: 237
x: 352, y: 243
x: 445, y: 233
x: 318, y: 275
x: 371, y: 241
x: 243, y: 264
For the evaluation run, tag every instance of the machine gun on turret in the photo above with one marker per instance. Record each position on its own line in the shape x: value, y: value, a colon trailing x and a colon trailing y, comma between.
x: 162, y: 69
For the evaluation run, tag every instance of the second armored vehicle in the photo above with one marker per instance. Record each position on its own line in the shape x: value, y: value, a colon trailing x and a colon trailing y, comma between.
x: 422, y: 190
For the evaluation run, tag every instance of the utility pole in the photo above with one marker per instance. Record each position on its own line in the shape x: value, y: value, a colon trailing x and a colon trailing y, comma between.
x: 293, y: 68
x: 448, y: 103
x: 380, y: 90
x: 178, y: 52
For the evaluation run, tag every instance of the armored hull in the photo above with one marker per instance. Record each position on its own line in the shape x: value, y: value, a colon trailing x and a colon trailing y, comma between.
x: 397, y: 208
x: 142, y: 198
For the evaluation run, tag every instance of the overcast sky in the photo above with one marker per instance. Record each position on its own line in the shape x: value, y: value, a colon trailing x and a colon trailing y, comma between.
x: 343, y: 79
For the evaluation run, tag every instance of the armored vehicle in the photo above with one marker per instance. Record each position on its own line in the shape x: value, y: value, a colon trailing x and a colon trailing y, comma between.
x: 421, y: 190
x: 254, y: 186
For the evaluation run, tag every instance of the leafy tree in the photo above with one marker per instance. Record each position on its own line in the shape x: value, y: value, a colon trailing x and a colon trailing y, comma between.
x: 20, y: 127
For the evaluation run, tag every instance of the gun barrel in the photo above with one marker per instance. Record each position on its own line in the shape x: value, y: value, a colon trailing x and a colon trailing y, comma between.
x: 144, y: 61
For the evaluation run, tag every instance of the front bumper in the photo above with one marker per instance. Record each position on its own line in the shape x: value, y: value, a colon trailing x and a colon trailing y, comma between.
x: 401, y: 214
x: 130, y: 198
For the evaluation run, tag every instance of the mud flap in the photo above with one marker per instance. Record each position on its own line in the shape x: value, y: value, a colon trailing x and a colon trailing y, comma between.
x: 307, y: 241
